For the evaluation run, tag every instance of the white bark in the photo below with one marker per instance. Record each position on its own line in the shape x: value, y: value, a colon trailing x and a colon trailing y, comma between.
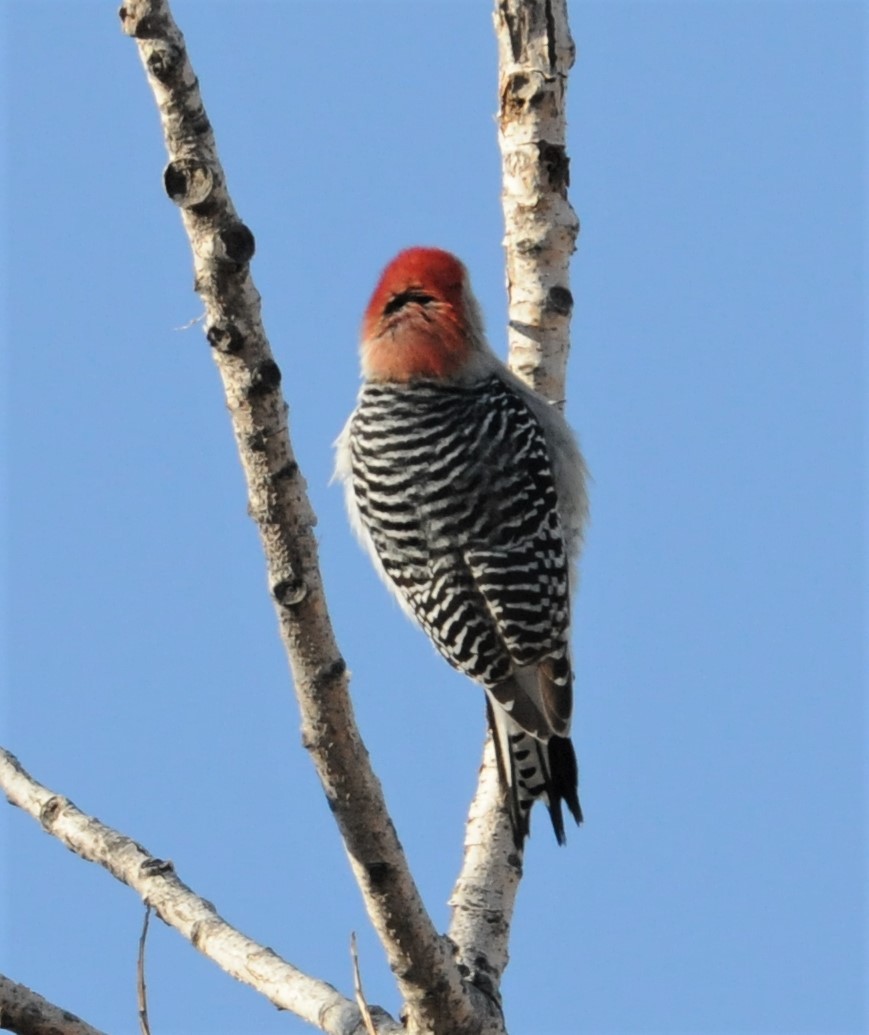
x: 535, y: 54
x: 427, y: 975
x: 485, y: 892
x: 176, y: 904
x: 449, y: 986
x: 27, y: 1013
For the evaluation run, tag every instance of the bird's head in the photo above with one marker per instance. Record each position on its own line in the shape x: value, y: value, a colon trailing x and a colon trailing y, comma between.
x: 423, y: 321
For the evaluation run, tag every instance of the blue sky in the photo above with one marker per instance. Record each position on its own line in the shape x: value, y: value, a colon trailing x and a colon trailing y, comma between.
x: 718, y: 384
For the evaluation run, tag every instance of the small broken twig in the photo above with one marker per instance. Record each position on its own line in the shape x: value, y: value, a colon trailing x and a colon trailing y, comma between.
x: 357, y: 988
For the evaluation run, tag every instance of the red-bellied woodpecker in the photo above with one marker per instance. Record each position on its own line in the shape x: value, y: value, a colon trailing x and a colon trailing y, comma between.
x: 468, y: 491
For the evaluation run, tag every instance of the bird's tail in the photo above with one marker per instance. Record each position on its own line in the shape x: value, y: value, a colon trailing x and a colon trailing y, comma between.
x: 532, y: 769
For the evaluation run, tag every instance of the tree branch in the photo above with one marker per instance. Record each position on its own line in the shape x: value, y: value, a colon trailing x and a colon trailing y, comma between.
x: 222, y: 245
x: 27, y: 1013
x: 177, y: 905
x: 485, y: 892
x: 536, y: 52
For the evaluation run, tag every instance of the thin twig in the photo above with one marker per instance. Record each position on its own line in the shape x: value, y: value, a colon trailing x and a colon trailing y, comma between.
x: 361, y: 1002
x: 141, y: 990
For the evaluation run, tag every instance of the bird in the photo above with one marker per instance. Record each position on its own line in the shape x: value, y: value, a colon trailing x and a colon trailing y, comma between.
x: 467, y: 489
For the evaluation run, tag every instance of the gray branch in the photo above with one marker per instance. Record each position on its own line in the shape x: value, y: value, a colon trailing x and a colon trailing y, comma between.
x: 27, y: 1013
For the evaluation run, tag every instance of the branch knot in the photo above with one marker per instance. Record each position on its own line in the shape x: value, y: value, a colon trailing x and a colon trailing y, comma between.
x: 188, y: 182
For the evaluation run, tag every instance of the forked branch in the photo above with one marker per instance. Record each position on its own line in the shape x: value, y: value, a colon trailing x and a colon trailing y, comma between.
x: 448, y: 985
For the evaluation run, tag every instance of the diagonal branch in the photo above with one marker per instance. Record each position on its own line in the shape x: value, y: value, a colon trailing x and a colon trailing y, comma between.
x: 222, y: 245
x: 27, y: 1013
x: 155, y: 880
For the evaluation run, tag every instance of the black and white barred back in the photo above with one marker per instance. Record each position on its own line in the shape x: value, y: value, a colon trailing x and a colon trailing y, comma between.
x: 455, y: 489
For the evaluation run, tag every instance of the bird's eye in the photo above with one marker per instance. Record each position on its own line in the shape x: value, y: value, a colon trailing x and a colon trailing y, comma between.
x: 404, y: 298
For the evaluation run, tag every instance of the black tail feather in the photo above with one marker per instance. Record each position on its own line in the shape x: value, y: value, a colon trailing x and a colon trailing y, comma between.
x: 536, y: 769
x: 563, y: 782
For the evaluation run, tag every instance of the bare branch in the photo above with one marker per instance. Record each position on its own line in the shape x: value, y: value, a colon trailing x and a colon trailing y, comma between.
x: 222, y: 245
x: 176, y: 904
x: 535, y: 54
x: 27, y: 1013
x: 485, y: 892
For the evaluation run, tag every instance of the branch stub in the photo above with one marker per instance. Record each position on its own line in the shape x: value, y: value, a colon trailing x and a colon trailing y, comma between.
x: 188, y: 182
